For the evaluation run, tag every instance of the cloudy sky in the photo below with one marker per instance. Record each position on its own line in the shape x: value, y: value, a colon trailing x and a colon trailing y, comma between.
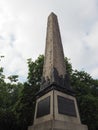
x: 23, y: 32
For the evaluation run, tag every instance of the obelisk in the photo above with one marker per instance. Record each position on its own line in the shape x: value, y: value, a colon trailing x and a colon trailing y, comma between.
x: 56, y: 106
x: 54, y: 56
x: 54, y: 70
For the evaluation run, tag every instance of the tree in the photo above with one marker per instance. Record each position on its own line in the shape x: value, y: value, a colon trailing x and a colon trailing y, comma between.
x: 9, y: 95
x: 13, y: 78
x: 86, y: 89
x: 25, y: 107
x: 35, y: 71
x: 69, y: 69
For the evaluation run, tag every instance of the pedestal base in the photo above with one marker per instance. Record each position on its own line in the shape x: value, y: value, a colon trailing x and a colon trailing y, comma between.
x: 57, y: 111
x: 57, y: 125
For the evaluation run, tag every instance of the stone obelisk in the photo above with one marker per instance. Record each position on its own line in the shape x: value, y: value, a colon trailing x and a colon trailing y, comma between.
x: 56, y: 106
x: 54, y: 70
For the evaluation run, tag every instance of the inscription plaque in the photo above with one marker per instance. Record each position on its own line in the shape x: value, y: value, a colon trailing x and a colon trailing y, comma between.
x: 43, y: 107
x: 66, y: 106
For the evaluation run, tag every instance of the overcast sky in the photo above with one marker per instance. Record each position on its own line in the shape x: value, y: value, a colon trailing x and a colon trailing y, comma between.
x: 23, y: 32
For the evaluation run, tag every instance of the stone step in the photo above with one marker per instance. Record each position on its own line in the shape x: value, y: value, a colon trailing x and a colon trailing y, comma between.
x: 58, y: 125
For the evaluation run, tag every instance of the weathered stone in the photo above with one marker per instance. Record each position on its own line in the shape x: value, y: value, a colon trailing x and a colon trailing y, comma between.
x: 58, y: 125
x: 54, y: 108
x: 54, y: 69
x: 54, y: 57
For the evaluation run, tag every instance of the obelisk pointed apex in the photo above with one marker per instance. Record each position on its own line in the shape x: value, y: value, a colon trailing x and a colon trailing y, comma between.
x: 54, y: 69
x: 52, y: 14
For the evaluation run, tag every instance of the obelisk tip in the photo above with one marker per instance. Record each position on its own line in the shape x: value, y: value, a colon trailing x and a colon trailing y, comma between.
x: 52, y: 14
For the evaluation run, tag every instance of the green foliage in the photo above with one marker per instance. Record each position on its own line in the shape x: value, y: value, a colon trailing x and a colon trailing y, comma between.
x: 86, y: 89
x: 69, y: 69
x: 81, y: 82
x: 13, y: 78
x: 35, y: 71
x: 25, y: 107
x: 2, y: 76
x: 7, y: 120
x: 9, y: 95
x: 88, y: 106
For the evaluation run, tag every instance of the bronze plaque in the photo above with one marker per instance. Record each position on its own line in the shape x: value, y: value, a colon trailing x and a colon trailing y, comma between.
x: 66, y: 106
x: 43, y: 107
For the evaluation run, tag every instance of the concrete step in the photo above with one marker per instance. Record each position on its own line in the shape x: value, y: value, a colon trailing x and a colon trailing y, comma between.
x: 58, y: 125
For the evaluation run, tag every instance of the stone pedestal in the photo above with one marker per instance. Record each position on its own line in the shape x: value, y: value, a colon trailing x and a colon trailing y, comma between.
x: 57, y: 111
x: 58, y: 125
